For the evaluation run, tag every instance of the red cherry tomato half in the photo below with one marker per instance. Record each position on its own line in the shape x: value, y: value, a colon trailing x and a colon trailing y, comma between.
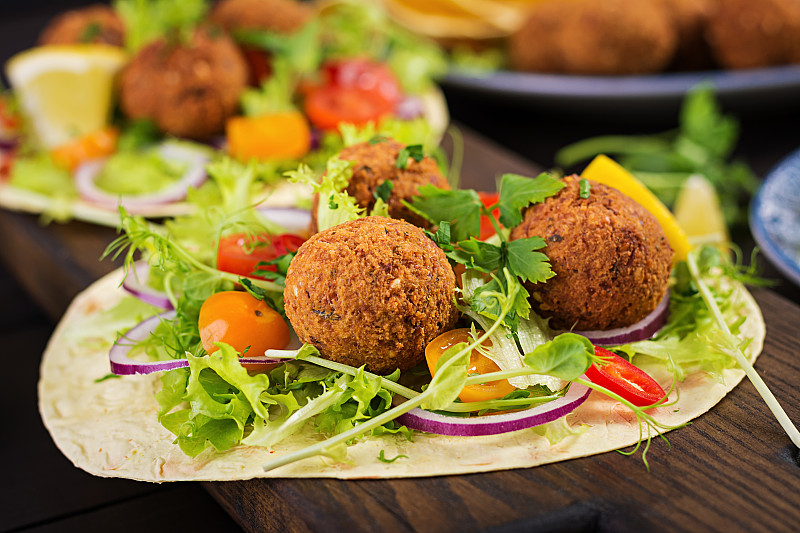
x: 327, y: 107
x: 240, y: 254
x: 488, y: 199
x: 623, y: 378
x: 363, y: 74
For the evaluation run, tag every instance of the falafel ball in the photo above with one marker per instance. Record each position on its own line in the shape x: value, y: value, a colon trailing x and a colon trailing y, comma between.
x: 376, y: 163
x: 747, y: 34
x: 611, y: 258
x: 92, y: 24
x: 188, y: 89
x: 373, y: 291
x: 590, y: 37
x: 280, y: 16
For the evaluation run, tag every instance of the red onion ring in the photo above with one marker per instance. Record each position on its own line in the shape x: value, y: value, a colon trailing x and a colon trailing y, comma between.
x: 122, y: 365
x: 135, y: 282
x: 292, y: 219
x: 430, y: 422
x: 642, y: 330
x: 409, y: 108
x: 195, y: 175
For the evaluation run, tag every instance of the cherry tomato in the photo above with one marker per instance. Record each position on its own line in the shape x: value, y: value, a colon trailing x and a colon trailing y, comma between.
x: 100, y: 143
x: 239, y: 319
x: 489, y: 199
x: 623, y: 378
x: 363, y: 74
x: 240, y: 254
x: 355, y: 91
x: 478, y: 364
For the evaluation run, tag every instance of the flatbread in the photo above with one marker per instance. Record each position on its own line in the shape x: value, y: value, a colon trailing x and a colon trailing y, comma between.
x: 110, y: 428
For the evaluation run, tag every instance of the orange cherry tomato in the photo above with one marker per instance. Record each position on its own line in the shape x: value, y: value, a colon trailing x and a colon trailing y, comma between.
x: 100, y: 143
x: 478, y: 364
x: 240, y: 254
x: 489, y: 199
x: 249, y: 325
x: 276, y: 136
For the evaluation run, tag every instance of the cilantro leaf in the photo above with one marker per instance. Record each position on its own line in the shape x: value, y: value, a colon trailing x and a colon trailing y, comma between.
x: 479, y: 255
x: 585, y: 188
x: 526, y: 263
x: 442, y: 236
x: 383, y: 191
x: 462, y: 207
x: 517, y: 192
x: 413, y: 151
x: 566, y: 357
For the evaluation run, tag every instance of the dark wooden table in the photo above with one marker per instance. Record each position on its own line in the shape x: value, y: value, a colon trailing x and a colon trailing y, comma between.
x: 733, y: 469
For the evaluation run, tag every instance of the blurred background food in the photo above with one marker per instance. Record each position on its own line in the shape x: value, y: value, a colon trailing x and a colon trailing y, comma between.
x: 613, y: 36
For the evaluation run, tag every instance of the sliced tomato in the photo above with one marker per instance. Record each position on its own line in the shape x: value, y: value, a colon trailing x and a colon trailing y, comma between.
x: 328, y: 107
x: 478, y: 364
x: 240, y: 254
x: 487, y: 228
x: 623, y: 378
x: 363, y: 74
x: 354, y: 91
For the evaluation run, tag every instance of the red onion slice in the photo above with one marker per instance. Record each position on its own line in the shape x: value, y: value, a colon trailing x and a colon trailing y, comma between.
x: 122, y: 365
x: 642, y: 330
x: 136, y: 284
x: 293, y: 219
x: 429, y: 422
x: 195, y: 175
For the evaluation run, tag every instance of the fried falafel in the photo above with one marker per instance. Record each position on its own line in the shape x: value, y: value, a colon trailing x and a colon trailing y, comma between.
x: 599, y: 38
x: 279, y: 16
x: 375, y: 163
x: 747, y: 34
x: 611, y: 258
x: 373, y: 291
x: 188, y: 89
x: 93, y: 24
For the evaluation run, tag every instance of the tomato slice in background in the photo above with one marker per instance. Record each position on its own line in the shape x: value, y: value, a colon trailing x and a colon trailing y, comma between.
x: 625, y: 379
x: 327, y: 107
x: 488, y: 199
x: 240, y: 254
x: 478, y: 364
x: 356, y: 91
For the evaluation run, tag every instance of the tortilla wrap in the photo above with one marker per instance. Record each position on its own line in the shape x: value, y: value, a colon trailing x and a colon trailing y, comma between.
x: 110, y: 428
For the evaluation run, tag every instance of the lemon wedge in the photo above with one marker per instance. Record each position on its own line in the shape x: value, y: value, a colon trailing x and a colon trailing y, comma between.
x: 65, y: 91
x: 608, y: 172
x: 698, y: 211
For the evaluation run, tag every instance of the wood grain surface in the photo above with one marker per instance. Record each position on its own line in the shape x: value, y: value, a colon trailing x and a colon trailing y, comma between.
x: 733, y: 469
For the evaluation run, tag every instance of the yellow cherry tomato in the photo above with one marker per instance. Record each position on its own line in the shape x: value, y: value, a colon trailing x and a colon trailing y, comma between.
x: 249, y: 325
x: 608, y: 172
x: 478, y: 364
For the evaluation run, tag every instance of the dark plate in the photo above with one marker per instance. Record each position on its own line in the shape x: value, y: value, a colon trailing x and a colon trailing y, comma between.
x: 775, y: 216
x: 743, y: 91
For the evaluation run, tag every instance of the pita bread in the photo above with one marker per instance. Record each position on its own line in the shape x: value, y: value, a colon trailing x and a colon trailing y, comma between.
x: 110, y: 428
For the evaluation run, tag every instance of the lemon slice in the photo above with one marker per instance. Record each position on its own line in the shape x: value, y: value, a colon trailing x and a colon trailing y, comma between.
x: 698, y: 212
x: 65, y: 91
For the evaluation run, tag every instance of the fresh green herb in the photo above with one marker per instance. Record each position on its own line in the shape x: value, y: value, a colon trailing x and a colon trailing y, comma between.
x: 409, y: 152
x: 442, y: 236
x: 89, y: 33
x: 377, y: 139
x: 383, y: 191
x: 703, y: 145
x: 517, y: 192
x: 148, y: 20
x: 300, y: 49
x: 106, y: 378
x: 382, y: 458
x: 585, y: 188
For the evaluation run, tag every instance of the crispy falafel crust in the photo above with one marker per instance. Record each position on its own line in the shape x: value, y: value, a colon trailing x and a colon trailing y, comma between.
x: 96, y: 24
x: 611, y: 258
x: 188, y: 90
x: 372, y: 291
x: 375, y: 163
x: 280, y: 16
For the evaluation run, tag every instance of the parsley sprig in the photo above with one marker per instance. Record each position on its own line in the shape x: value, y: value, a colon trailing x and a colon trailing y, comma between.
x: 457, y: 213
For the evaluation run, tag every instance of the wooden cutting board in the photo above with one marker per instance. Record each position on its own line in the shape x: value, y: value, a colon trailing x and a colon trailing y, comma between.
x: 733, y: 469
